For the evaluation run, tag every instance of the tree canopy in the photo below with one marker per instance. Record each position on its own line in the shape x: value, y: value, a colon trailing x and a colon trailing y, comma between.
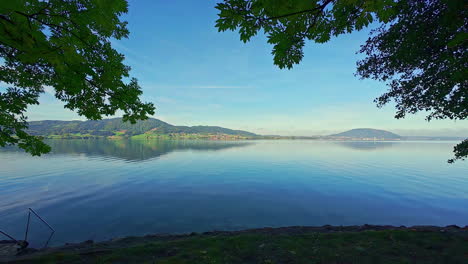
x: 417, y: 47
x: 64, y: 44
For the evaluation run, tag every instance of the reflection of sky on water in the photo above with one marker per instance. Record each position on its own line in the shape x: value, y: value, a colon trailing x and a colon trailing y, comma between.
x: 366, y: 145
x: 134, y: 150
x: 90, y: 190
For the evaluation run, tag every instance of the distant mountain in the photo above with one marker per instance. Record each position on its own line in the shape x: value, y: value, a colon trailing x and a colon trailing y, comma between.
x: 116, y: 127
x: 367, y: 133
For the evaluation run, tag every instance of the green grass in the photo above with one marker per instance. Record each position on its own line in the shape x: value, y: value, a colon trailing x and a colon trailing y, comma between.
x: 390, y: 246
x: 119, y: 133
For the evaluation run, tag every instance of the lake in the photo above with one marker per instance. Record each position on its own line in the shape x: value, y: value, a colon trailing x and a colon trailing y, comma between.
x: 101, y: 189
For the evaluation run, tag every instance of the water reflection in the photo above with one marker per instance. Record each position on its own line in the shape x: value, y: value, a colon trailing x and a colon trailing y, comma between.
x: 366, y: 145
x: 135, y: 150
x: 88, y: 189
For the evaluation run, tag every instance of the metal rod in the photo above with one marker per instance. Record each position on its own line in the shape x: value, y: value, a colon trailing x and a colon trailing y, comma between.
x: 9, y: 236
x: 41, y: 219
x: 27, y: 227
x: 50, y: 237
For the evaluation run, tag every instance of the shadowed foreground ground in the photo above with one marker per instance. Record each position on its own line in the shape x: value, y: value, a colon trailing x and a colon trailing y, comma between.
x: 327, y: 244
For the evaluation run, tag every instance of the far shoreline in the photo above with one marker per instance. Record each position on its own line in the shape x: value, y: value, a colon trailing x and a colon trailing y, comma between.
x: 326, y: 139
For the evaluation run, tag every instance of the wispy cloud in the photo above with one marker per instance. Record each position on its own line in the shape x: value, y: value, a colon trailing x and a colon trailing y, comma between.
x: 194, y: 86
x: 133, y: 58
x: 218, y: 87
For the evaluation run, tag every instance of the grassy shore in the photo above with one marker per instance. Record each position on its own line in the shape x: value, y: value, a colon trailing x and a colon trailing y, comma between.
x: 368, y: 244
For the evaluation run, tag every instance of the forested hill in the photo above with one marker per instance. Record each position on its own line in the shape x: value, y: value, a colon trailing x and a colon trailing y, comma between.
x: 361, y: 133
x: 116, y: 127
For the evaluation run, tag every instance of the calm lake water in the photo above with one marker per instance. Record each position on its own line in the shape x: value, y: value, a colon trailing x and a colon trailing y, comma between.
x: 100, y: 189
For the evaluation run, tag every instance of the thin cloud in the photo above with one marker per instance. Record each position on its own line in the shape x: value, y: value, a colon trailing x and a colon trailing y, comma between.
x: 132, y: 56
x: 178, y: 86
x: 218, y: 87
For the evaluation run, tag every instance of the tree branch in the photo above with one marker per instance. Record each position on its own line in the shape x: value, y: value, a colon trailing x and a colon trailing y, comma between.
x: 55, y: 27
x: 319, y: 9
x: 3, y: 17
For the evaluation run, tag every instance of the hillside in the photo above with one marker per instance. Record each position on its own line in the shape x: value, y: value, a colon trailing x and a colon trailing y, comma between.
x: 116, y: 127
x: 367, y: 133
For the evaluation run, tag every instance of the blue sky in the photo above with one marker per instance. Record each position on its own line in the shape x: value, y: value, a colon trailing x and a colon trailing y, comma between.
x: 198, y: 76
